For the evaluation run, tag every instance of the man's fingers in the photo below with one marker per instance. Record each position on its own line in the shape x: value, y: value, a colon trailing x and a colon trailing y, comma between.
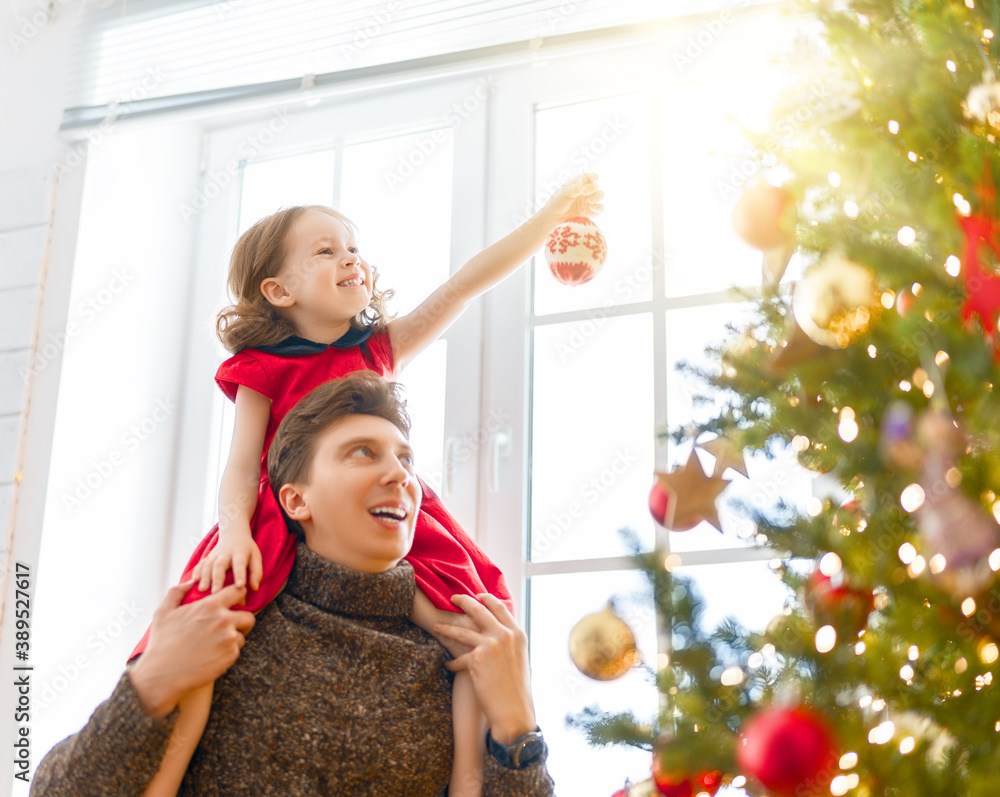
x: 459, y: 664
x: 176, y: 594
x: 466, y: 636
x: 472, y: 607
x: 231, y: 595
x: 205, y: 576
x: 245, y: 622
x: 499, y: 610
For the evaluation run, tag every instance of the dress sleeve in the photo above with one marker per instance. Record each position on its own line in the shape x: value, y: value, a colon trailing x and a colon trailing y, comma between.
x: 118, y: 751
x: 381, y: 349
x: 244, y: 368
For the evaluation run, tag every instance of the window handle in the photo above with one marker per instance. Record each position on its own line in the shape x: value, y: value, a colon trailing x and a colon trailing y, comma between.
x: 499, y: 446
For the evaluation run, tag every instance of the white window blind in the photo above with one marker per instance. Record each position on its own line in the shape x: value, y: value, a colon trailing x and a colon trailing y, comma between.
x: 148, y: 56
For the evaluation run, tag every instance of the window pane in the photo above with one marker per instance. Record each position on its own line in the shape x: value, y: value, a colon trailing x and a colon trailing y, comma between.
x: 706, y: 168
x: 404, y: 223
x: 404, y: 230
x: 559, y: 688
x: 424, y: 379
x: 749, y: 592
x: 609, y: 137
x: 591, y: 437
x: 272, y: 184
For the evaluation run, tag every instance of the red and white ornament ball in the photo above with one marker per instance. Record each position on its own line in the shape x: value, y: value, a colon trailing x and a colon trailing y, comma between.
x: 790, y: 751
x: 575, y: 251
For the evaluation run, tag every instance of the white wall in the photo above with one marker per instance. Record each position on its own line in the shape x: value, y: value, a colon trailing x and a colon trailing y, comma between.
x: 37, y: 230
x: 93, y: 304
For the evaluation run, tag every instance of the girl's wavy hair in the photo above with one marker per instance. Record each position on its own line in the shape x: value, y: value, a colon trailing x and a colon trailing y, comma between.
x: 259, y: 254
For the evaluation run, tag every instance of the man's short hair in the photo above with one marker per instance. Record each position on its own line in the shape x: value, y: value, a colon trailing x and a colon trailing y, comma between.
x: 290, y: 458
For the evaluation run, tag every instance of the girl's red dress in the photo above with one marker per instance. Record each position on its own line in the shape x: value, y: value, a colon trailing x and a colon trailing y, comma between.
x: 445, y: 559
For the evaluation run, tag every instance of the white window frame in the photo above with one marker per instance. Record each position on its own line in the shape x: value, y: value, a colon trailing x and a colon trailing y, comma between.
x: 333, y: 123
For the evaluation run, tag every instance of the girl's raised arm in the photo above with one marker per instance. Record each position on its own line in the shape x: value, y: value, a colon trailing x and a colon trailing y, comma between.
x: 236, y: 549
x: 411, y: 333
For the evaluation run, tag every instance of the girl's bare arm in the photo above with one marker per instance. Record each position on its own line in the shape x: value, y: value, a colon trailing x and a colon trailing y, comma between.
x: 411, y: 333
x: 236, y: 549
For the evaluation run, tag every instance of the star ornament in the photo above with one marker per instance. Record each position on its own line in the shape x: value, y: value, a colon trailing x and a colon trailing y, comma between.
x: 691, y: 495
x: 727, y: 455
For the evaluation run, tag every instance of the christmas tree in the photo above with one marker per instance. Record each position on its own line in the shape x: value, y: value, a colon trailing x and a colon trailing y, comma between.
x: 878, y: 368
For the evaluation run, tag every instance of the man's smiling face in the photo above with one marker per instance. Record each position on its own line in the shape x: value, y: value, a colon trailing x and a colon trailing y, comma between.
x: 360, y: 503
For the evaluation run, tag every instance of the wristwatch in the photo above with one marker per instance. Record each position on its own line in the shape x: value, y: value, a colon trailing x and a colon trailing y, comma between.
x: 525, y: 751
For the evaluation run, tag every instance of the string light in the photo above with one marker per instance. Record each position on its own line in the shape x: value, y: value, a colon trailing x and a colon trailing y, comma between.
x: 907, y: 745
x: 881, y: 734
x: 953, y: 266
x: 830, y: 564
x: 851, y: 209
x: 826, y: 638
x: 907, y: 553
x: 893, y: 126
x: 848, y: 760
x: 951, y: 65
x: 912, y: 497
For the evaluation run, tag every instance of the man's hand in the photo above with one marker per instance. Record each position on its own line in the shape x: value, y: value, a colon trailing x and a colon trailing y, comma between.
x: 497, y: 663
x: 189, y: 646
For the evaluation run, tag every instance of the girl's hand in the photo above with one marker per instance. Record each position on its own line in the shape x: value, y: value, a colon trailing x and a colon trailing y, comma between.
x: 240, y: 554
x: 580, y: 196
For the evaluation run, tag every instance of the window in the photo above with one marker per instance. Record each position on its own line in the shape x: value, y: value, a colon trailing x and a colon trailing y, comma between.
x: 595, y: 379
x: 537, y: 413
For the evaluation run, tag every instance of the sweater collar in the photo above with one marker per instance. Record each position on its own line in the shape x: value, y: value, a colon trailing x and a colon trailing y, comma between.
x: 339, y: 589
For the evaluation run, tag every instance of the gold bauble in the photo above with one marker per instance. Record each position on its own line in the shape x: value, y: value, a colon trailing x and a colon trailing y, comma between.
x: 835, y: 301
x: 602, y: 646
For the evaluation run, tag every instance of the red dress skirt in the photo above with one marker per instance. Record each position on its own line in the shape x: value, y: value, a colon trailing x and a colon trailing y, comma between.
x: 445, y: 560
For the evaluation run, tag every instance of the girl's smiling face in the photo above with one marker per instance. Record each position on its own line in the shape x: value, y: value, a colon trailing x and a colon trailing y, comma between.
x: 323, y: 282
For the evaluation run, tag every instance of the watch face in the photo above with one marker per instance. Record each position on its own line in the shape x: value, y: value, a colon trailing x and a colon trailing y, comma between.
x: 531, y: 750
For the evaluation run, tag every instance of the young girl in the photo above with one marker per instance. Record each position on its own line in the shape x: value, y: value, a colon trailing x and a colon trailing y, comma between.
x: 306, y: 311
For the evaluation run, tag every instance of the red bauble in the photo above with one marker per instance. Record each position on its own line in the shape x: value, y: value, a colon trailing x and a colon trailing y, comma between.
x: 575, y: 251
x: 764, y: 217
x: 673, y: 785
x: 904, y: 301
x: 659, y: 503
x: 790, y: 751
x: 833, y: 602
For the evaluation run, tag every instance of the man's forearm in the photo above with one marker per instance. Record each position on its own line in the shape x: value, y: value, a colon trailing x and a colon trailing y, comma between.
x: 117, y: 752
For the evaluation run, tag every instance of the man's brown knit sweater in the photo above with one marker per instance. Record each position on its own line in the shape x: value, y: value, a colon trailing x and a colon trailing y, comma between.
x: 334, y: 693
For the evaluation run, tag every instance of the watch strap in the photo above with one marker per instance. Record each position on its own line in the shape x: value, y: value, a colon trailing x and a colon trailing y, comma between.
x: 525, y: 750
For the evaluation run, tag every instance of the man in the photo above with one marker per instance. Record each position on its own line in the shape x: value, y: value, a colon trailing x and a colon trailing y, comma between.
x: 335, y: 691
